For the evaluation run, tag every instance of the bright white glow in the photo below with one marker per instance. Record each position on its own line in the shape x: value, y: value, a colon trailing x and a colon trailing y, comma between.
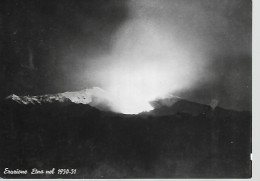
x: 133, y: 87
x: 142, y: 68
x: 133, y: 90
x: 148, y: 60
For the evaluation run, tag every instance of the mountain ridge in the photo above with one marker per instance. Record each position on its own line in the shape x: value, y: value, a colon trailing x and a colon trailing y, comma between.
x: 97, y: 98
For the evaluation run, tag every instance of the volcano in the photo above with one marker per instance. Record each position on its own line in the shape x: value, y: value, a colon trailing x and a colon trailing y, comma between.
x: 78, y: 130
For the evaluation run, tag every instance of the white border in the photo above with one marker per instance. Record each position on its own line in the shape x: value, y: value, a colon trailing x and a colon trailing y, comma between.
x: 255, y: 107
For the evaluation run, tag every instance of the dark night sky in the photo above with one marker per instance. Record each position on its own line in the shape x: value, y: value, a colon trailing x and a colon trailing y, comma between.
x: 65, y: 39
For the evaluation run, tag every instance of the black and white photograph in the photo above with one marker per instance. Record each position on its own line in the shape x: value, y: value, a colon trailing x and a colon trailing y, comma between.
x: 125, y: 89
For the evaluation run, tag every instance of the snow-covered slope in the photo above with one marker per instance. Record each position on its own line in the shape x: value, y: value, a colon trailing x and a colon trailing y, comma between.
x: 48, y: 98
x: 95, y: 97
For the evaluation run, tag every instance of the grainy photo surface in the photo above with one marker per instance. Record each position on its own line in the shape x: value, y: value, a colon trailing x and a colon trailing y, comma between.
x: 125, y: 89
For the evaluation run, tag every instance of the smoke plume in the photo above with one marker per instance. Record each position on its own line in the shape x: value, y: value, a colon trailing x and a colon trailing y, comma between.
x: 170, y: 48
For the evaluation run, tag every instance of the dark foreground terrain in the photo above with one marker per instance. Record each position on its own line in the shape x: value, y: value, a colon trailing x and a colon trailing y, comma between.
x: 187, y: 140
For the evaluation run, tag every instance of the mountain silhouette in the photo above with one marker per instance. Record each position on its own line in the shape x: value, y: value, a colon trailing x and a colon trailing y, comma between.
x: 178, y: 139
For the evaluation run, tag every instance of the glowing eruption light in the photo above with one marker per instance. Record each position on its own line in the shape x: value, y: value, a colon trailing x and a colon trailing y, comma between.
x: 148, y: 60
